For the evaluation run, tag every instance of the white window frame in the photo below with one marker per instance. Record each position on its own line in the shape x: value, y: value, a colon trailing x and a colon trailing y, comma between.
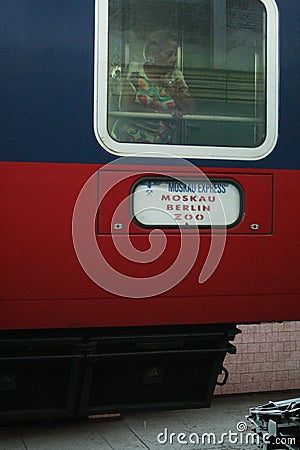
x: 177, y: 150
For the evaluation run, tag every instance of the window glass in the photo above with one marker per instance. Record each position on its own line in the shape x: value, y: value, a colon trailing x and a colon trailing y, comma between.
x: 185, y: 203
x: 188, y: 73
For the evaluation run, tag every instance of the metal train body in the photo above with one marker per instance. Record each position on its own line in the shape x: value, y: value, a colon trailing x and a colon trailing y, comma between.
x: 60, y: 324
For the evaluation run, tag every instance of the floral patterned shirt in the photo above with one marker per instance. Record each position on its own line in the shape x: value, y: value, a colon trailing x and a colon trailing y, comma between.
x: 157, y: 99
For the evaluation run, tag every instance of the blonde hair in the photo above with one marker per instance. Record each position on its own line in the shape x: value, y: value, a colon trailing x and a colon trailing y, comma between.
x: 155, y: 42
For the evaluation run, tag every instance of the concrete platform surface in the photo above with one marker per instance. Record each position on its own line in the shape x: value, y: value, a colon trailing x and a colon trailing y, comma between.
x: 223, y: 426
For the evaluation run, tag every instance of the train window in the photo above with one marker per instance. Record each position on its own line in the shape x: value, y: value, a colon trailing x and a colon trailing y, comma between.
x: 189, y: 78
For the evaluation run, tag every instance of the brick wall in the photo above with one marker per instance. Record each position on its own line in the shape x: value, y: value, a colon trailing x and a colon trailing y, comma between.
x: 267, y: 359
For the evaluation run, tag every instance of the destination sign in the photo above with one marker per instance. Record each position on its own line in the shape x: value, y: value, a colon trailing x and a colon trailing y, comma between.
x: 170, y: 202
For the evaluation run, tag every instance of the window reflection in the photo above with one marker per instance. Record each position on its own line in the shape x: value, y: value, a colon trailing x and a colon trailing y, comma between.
x: 187, y: 72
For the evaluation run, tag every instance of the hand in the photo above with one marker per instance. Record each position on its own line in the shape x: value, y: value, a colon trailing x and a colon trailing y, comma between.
x: 177, y: 115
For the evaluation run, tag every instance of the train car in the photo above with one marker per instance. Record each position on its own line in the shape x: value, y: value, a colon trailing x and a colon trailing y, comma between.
x: 149, y: 189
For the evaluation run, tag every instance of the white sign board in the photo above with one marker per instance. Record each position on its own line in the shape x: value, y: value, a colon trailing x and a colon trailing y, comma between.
x: 172, y: 202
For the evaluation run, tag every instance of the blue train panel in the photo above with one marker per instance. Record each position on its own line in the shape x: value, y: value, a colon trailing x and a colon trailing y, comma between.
x: 47, y: 54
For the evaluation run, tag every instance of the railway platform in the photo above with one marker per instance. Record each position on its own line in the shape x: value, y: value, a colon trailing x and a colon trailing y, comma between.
x: 223, y: 426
